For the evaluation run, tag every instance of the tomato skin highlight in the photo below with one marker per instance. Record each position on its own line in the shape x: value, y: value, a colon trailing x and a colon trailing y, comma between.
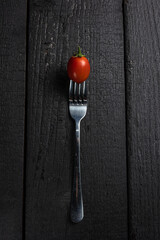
x: 78, y: 69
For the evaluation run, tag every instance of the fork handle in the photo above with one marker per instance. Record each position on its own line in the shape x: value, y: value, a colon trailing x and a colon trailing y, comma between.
x: 77, y: 212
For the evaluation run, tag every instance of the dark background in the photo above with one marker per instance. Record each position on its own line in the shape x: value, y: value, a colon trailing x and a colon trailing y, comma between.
x: 120, y: 136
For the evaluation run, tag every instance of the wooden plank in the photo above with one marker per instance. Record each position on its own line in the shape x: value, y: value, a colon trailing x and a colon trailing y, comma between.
x: 143, y: 110
x: 12, y: 114
x: 56, y: 28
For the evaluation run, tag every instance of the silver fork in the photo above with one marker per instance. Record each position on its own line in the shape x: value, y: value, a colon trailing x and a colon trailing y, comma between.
x: 78, y: 109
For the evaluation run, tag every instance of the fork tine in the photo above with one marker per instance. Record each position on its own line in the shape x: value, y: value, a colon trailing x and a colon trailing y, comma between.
x: 71, y: 91
x: 84, y: 89
x: 80, y: 93
x: 84, y: 92
x: 79, y: 89
x: 75, y: 92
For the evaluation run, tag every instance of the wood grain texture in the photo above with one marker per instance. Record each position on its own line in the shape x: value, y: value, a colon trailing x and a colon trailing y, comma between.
x: 143, y: 110
x: 56, y: 28
x: 12, y: 114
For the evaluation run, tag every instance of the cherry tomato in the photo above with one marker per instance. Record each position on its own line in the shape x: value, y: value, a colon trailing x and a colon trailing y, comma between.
x: 78, y: 67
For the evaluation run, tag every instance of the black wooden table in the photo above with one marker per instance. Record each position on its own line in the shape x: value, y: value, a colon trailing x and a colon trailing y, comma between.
x: 120, y: 136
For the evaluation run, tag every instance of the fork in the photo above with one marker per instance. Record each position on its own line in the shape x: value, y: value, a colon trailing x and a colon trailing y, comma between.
x: 77, y: 109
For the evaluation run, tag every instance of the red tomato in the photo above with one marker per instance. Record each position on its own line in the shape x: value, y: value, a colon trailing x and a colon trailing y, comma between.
x: 78, y: 68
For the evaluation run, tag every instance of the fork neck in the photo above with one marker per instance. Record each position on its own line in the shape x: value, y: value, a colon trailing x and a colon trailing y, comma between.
x: 77, y: 128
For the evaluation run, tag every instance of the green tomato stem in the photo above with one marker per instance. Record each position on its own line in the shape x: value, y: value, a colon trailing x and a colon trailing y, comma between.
x: 79, y: 54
